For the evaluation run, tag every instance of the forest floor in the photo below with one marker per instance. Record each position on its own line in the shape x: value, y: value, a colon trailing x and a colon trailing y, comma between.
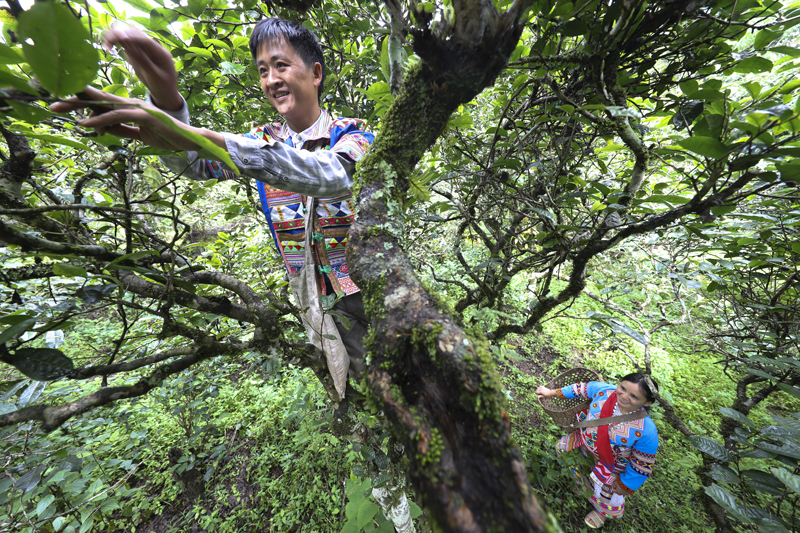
x: 251, y: 484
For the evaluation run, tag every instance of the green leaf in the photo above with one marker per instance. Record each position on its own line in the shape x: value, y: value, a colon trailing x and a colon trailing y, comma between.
x: 720, y: 210
x: 786, y: 50
x: 8, y: 20
x: 386, y: 526
x: 28, y: 481
x: 366, y: 511
x: 61, y: 55
x: 794, y: 391
x: 378, y: 92
x: 789, y: 450
x: 544, y: 213
x: 753, y: 89
x: 753, y: 64
x: 44, y: 503
x: 725, y: 500
x: 141, y: 5
x: 211, y: 150
x: 7, y: 78
x: 705, y: 146
x: 16, y: 330
x: 687, y: 113
x: 149, y: 150
x: 574, y: 28
x: 415, y: 510
x: 736, y: 415
x: 381, y: 480
x: 232, y: 69
x: 200, y: 51
x: 757, y: 454
x: 41, y: 364
x: 710, y: 447
x: 30, y: 113
x: 198, y: 6
x: 723, y: 474
x: 133, y: 257
x: 351, y: 526
x: 65, y: 269
x: 57, y: 139
x: 597, y: 206
x: 87, y: 525
x: 787, y: 478
x: 763, y: 481
x: 764, y: 38
x: 790, y: 86
x: 10, y: 56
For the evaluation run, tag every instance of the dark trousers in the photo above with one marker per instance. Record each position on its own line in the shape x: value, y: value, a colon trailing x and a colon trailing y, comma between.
x: 352, y: 308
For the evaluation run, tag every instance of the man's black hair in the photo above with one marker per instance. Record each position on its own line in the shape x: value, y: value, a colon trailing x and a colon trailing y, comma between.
x: 638, y: 378
x: 303, y: 41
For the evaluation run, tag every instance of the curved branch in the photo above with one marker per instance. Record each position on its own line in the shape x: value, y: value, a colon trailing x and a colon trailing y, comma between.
x: 107, y: 370
x: 26, y: 240
x: 220, y: 306
x: 53, y: 416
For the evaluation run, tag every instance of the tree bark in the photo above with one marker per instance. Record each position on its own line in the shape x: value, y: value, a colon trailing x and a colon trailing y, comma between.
x: 436, y: 383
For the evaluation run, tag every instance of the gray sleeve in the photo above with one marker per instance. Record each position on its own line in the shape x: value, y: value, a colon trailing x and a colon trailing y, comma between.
x: 190, y: 164
x: 320, y: 174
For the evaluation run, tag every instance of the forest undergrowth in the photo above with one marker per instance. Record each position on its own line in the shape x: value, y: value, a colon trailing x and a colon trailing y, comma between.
x: 246, y: 445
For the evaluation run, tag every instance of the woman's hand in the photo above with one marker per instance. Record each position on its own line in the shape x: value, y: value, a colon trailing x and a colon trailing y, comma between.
x: 123, y: 111
x: 544, y: 392
x: 152, y: 63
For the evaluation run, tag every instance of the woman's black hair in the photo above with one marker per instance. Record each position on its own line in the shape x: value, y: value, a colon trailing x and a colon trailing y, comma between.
x: 298, y: 36
x: 638, y: 378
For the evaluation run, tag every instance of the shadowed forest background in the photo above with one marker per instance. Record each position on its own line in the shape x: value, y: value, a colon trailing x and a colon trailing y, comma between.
x: 611, y: 185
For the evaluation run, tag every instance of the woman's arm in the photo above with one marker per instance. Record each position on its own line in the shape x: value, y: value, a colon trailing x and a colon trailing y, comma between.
x: 643, y: 458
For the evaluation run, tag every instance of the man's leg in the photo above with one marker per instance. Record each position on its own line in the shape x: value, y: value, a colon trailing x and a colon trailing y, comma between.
x: 352, y: 308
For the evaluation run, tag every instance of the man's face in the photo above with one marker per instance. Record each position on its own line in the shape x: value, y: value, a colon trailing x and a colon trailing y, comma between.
x: 289, y: 84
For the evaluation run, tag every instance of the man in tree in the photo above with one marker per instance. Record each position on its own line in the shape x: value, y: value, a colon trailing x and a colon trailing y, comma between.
x: 309, y: 154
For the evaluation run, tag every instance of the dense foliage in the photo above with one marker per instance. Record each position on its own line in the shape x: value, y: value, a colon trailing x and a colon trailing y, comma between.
x: 605, y: 184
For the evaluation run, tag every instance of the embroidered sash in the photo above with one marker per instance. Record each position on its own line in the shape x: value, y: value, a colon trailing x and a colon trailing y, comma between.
x: 603, y: 440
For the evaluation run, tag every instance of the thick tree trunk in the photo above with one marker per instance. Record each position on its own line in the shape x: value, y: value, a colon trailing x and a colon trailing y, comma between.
x: 436, y: 383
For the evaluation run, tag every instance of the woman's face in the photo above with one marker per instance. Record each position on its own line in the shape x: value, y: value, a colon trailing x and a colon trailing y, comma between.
x: 631, y: 396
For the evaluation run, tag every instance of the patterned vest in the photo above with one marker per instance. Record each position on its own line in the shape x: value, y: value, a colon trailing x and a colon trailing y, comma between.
x: 284, y: 210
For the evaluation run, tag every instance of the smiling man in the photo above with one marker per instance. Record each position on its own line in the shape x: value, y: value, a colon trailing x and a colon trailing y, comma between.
x: 310, y: 154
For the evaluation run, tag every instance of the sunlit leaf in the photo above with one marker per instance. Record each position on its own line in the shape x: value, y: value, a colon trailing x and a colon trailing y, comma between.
x: 705, y: 146
x: 59, y: 51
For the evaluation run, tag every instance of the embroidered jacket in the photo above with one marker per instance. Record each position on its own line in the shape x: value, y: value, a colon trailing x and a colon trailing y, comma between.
x: 633, y: 444
x: 267, y: 153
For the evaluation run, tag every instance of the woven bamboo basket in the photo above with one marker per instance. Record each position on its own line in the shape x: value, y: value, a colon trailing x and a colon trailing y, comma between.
x: 563, y: 411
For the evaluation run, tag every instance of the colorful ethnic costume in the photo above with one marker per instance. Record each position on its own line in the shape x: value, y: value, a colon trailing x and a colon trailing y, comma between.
x: 626, y: 455
x: 318, y: 162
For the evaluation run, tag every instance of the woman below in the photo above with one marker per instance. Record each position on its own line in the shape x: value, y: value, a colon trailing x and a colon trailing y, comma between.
x: 624, y: 452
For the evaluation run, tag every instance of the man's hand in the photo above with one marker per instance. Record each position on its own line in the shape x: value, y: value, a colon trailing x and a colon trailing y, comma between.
x: 152, y: 63
x: 145, y: 127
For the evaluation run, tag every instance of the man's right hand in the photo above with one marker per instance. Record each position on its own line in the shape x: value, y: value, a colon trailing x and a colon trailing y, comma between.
x: 152, y: 63
x: 128, y: 117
